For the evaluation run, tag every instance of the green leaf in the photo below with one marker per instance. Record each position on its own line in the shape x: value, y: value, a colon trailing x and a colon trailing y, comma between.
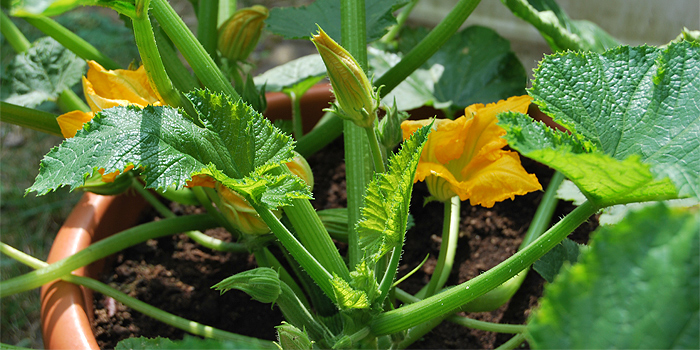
x: 635, y: 106
x: 551, y: 263
x: 415, y: 91
x: 298, y: 23
x: 637, y: 287
x: 42, y: 72
x: 561, y: 32
x: 298, y: 71
x: 235, y: 144
x: 385, y: 211
x: 189, y: 342
x: 143, y: 343
x: 348, y: 297
x: 479, y: 67
x: 262, y: 284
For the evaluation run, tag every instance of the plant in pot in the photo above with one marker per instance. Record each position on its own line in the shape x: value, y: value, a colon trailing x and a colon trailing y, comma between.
x: 631, y: 136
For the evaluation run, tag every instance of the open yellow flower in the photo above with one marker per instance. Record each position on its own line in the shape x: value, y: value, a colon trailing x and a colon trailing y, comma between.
x: 106, y: 89
x: 464, y: 157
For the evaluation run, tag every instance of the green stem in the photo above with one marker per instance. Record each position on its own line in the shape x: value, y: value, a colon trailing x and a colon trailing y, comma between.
x: 513, y: 343
x: 328, y: 129
x: 198, y: 58
x: 71, y: 41
x: 265, y: 258
x: 428, y: 46
x: 68, y: 101
x: 206, y: 25
x: 146, y: 42
x: 178, y: 73
x: 307, y: 261
x: 452, y: 299
x: 400, y: 21
x: 103, y: 248
x: 297, y: 122
x: 314, y: 235
x: 357, y: 165
x: 195, y: 235
x: 12, y: 34
x: 376, y: 152
x: 29, y: 118
x: 448, y: 247
x: 540, y: 222
x: 296, y: 313
x: 133, y: 303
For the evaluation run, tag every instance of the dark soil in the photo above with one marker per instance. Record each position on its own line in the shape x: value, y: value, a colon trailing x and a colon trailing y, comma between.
x: 175, y: 274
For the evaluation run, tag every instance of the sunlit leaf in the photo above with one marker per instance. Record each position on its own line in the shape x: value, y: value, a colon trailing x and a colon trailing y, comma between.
x: 42, y: 72
x: 637, y: 287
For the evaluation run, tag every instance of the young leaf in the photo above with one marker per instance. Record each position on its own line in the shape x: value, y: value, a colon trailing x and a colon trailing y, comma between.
x: 637, y: 287
x: 190, y: 342
x: 298, y: 23
x: 385, y: 213
x: 42, y: 72
x: 348, y: 297
x: 262, y: 284
x: 636, y: 106
x: 236, y: 145
x: 560, y: 31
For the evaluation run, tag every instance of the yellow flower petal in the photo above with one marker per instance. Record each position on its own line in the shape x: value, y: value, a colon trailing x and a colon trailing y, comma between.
x: 109, y: 88
x: 73, y: 121
x: 113, y: 175
x: 464, y: 157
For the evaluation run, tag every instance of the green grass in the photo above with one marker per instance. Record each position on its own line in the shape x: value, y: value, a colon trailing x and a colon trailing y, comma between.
x: 30, y: 223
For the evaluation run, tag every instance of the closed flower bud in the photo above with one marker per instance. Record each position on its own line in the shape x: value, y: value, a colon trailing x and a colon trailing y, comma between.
x: 240, y: 213
x: 355, y: 96
x: 110, y: 184
x: 300, y: 167
x: 292, y: 338
x: 389, y: 128
x: 240, y: 33
x: 262, y: 284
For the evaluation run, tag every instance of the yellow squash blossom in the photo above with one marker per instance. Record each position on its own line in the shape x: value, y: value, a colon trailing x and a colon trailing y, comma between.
x: 106, y: 89
x: 465, y: 157
x: 237, y: 210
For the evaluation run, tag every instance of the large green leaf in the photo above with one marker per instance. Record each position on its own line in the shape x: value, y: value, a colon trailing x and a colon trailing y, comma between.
x: 636, y: 110
x: 190, y: 342
x: 299, y: 71
x: 235, y: 145
x: 560, y: 31
x: 636, y: 288
x: 42, y: 72
x: 479, y: 67
x: 301, y: 22
x: 385, y: 211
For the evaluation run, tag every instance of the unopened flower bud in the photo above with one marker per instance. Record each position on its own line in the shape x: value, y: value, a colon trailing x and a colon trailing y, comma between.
x: 389, y: 128
x: 241, y: 32
x: 262, y: 284
x: 240, y: 213
x: 355, y: 96
x: 109, y: 184
x: 292, y: 338
x: 300, y: 167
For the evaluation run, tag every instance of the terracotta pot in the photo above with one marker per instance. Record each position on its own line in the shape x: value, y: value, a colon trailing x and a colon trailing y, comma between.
x: 66, y: 309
